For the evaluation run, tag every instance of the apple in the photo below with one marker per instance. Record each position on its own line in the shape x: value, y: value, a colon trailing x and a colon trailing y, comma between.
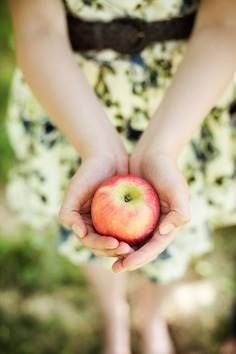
x: 127, y: 208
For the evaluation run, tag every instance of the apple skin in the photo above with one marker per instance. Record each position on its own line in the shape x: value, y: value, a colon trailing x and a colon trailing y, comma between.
x: 126, y: 208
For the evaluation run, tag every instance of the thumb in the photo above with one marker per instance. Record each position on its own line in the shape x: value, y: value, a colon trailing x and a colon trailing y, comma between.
x: 81, y: 188
x: 171, y: 221
x: 178, y: 213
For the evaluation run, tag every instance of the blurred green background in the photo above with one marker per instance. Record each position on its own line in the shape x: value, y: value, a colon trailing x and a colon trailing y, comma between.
x: 6, y: 69
x: 45, y: 303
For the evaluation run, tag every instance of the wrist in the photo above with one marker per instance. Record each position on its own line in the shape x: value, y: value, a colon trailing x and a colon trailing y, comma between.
x: 106, y: 146
x: 163, y: 147
x: 159, y: 138
x: 154, y: 154
x: 165, y: 138
x: 114, y: 156
x: 157, y: 146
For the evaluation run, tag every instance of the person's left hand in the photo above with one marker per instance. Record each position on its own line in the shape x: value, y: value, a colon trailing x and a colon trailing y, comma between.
x: 161, y: 171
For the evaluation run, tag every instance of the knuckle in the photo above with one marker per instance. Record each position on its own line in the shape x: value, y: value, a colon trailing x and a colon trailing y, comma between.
x: 112, y: 254
x: 64, y: 217
x: 184, y: 219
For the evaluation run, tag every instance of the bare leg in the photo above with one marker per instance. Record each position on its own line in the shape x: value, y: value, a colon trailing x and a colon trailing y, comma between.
x: 148, y: 300
x: 111, y: 293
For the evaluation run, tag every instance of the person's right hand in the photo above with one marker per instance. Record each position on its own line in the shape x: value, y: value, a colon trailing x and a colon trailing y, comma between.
x: 161, y: 170
x: 75, y: 212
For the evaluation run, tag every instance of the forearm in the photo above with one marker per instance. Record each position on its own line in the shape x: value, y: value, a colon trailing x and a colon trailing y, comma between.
x: 202, y: 77
x: 58, y: 83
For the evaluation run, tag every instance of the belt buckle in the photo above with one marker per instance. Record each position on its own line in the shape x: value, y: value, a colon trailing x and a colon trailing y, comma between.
x: 135, y: 32
x: 141, y: 35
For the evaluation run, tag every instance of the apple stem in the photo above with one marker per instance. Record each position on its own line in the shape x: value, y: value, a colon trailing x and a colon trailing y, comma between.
x: 127, y: 198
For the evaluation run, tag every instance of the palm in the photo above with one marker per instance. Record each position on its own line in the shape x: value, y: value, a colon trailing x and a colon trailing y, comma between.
x: 168, y: 181
x: 85, y: 213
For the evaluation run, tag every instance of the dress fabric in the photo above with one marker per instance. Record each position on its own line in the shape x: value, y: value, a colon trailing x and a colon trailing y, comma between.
x: 129, y: 87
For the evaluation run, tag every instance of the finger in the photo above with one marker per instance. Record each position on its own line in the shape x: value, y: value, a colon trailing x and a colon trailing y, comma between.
x: 118, y: 267
x: 175, y: 201
x: 124, y: 248
x: 173, y: 220
x: 95, y: 241
x: 145, y: 254
x: 80, y: 233
x: 119, y: 251
x: 74, y: 221
x: 179, y: 210
x: 81, y: 185
x: 81, y: 188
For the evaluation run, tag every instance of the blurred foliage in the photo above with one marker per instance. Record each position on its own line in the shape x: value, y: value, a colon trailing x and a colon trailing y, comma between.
x: 40, y: 292
x: 24, y: 334
x: 220, y: 264
x: 7, y: 64
x: 32, y: 264
x: 27, y: 334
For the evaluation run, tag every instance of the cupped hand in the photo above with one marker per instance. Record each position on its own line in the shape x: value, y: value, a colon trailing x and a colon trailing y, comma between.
x: 75, y: 212
x: 161, y: 171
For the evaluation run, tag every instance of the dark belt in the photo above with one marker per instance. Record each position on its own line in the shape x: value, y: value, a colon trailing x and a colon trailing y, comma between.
x: 126, y: 35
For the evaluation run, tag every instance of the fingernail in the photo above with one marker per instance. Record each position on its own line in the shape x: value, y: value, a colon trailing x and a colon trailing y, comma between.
x: 77, y: 230
x: 166, y: 229
x: 131, y: 269
x: 125, y: 248
x: 113, y: 244
x: 119, y: 270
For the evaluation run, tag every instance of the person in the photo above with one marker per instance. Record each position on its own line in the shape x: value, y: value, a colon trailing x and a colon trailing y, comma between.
x: 95, y: 113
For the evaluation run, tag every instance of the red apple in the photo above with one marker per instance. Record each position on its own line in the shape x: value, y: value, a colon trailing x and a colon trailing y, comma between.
x: 127, y: 208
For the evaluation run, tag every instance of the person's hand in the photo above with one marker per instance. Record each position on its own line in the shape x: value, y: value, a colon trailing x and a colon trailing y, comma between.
x: 75, y: 211
x: 161, y: 171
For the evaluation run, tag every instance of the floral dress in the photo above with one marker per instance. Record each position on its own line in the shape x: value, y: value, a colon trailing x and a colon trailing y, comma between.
x: 130, y: 88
